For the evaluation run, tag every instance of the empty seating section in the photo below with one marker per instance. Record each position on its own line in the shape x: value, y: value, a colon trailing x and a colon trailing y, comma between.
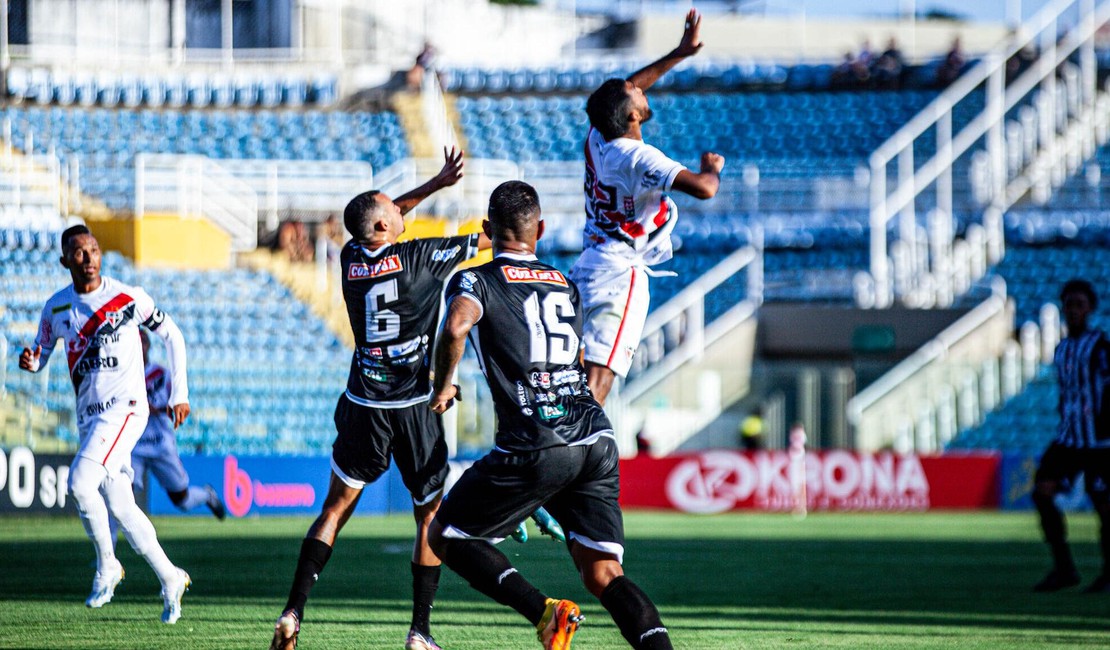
x: 172, y: 89
x: 264, y: 372
x: 784, y: 133
x: 105, y: 142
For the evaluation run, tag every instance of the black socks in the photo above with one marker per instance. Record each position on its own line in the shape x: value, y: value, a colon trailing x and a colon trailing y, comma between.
x: 314, y: 555
x: 635, y: 615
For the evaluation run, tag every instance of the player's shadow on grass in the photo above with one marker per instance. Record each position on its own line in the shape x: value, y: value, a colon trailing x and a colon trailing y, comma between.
x: 709, y: 581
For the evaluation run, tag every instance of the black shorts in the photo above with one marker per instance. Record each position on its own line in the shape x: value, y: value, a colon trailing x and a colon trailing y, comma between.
x: 578, y: 485
x: 412, y: 435
x: 1061, y: 464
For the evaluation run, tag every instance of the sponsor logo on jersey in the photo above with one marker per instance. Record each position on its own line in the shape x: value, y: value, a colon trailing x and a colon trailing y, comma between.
x: 541, y: 379
x: 99, y: 407
x: 404, y: 349
x: 467, y: 280
x: 525, y: 274
x: 363, y: 271
x: 445, y: 254
x: 652, y: 178
x: 564, y: 377
x: 94, y: 364
x: 551, y: 412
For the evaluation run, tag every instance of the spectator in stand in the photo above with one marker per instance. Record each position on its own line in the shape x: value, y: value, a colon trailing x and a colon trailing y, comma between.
x: 293, y: 240
x: 331, y: 229
x: 952, y: 65
x: 886, y: 72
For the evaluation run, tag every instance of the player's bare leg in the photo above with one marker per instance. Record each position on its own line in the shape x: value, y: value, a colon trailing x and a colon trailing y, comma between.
x: 600, y: 378
x: 632, y: 610
x: 425, y: 578
x: 315, y: 551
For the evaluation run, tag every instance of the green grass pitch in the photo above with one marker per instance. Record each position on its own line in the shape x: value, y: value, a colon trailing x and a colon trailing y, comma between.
x: 935, y: 580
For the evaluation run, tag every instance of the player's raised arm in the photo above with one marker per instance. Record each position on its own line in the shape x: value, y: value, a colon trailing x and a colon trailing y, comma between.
x: 450, y: 174
x: 704, y: 184
x: 687, y: 47
x: 462, y: 314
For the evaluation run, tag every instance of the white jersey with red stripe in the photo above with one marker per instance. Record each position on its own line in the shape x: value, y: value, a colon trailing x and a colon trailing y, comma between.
x: 629, y: 218
x: 100, y: 332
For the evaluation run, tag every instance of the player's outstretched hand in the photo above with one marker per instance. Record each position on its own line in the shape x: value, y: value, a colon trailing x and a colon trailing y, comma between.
x: 444, y: 399
x: 691, y: 35
x: 178, y: 413
x: 29, y: 359
x: 452, y: 168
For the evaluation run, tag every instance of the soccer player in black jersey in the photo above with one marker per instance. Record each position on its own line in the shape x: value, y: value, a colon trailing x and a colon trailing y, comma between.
x: 1082, y: 442
x: 392, y: 293
x: 554, y: 446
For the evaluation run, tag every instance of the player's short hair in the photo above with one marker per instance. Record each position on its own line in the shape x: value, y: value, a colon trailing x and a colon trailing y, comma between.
x: 1078, y: 285
x: 71, y: 232
x: 359, y: 213
x: 514, y: 206
x: 608, y: 108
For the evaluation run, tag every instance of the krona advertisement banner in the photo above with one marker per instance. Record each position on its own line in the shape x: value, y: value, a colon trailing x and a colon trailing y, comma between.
x: 724, y: 480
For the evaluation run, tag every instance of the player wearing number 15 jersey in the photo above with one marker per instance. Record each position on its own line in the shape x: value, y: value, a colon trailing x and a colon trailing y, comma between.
x: 554, y: 445
x: 392, y: 291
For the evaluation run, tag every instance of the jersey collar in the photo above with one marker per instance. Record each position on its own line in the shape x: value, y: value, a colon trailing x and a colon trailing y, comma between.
x: 520, y: 257
x: 374, y: 253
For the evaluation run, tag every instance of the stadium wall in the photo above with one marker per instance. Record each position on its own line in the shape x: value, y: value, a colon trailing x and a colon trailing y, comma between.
x: 165, y: 240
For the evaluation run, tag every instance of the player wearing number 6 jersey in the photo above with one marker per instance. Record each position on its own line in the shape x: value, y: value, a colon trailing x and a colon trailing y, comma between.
x: 554, y: 445
x: 392, y: 291
x: 97, y: 319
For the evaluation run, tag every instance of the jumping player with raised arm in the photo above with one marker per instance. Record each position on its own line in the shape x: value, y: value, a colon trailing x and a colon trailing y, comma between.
x: 392, y: 291
x: 629, y: 218
x: 98, y: 319
x: 554, y: 447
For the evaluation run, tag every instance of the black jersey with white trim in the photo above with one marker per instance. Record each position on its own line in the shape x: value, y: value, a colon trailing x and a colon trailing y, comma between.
x: 527, y: 341
x: 393, y: 298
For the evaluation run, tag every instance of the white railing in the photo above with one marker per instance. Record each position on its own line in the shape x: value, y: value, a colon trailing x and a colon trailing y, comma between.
x: 302, y: 186
x: 193, y: 187
x: 927, y: 264
x: 961, y: 363
x: 33, y: 179
x: 678, y: 328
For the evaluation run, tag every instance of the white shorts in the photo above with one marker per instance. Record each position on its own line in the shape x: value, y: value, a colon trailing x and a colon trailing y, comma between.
x: 109, y: 437
x: 615, y: 306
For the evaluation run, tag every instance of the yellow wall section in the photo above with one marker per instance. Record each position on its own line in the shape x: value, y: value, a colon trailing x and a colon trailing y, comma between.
x: 166, y: 240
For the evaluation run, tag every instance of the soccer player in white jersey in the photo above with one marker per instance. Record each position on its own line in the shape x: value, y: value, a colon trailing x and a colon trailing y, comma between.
x: 97, y: 318
x: 629, y: 217
x: 157, y: 448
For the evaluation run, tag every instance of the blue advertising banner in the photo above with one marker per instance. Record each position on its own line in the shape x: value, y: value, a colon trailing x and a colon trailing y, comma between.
x: 1016, y: 491
x: 277, y: 485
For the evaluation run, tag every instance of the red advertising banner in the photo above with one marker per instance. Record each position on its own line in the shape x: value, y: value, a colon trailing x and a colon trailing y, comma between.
x: 723, y: 480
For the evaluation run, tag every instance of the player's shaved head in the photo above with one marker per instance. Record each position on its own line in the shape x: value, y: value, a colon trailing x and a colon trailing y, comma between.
x: 514, y: 211
x: 608, y: 108
x: 70, y: 233
x: 361, y: 213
